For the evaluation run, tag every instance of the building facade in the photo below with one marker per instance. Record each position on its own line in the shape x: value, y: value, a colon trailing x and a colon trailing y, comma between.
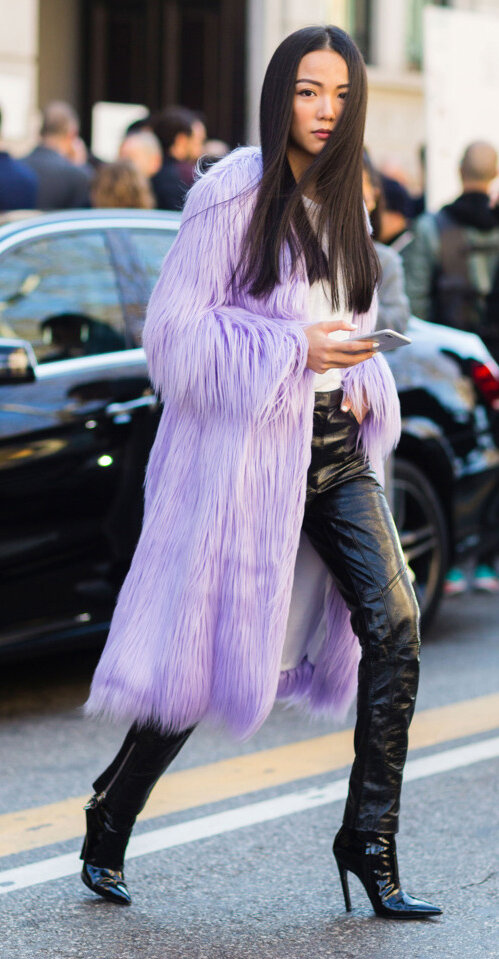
x: 209, y: 55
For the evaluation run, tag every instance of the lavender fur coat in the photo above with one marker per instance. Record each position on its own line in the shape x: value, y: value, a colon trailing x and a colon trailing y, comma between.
x: 201, y: 620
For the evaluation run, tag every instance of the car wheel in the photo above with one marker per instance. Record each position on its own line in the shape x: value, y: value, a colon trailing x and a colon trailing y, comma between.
x: 423, y: 533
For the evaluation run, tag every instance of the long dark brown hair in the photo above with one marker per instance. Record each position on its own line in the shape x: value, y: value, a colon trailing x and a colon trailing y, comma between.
x: 279, y: 218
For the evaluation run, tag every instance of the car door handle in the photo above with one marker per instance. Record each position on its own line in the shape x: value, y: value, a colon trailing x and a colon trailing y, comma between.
x: 118, y: 409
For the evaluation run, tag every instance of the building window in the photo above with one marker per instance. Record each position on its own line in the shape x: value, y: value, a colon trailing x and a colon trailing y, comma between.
x: 415, y: 30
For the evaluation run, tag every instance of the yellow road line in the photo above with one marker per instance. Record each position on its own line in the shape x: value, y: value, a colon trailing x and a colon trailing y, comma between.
x: 44, y: 825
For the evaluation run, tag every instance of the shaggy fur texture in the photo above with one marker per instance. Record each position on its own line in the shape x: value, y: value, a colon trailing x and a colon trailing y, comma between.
x: 200, y: 621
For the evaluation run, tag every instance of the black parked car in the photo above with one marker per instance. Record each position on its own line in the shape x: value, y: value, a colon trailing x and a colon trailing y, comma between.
x: 446, y: 480
x: 77, y: 418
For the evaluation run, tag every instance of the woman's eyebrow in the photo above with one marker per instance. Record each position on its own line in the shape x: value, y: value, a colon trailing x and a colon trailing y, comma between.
x: 318, y: 84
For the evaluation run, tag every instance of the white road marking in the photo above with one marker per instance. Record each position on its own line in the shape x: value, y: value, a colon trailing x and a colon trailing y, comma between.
x: 59, y: 867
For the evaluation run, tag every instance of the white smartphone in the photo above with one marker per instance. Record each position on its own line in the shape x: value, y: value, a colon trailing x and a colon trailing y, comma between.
x: 386, y: 339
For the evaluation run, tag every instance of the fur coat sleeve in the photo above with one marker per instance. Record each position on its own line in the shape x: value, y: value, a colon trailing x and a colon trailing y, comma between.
x: 202, y: 347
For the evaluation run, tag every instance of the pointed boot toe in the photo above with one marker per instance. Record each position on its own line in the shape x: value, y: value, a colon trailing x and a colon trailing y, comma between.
x: 373, y: 859
x: 402, y: 906
x: 108, y: 883
x: 105, y: 842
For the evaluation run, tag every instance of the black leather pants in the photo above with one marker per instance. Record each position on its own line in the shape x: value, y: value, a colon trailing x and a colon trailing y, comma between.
x: 128, y: 781
x: 350, y: 525
x: 348, y: 522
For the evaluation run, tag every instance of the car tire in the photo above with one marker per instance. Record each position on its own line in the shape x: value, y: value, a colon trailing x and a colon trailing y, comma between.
x: 423, y: 533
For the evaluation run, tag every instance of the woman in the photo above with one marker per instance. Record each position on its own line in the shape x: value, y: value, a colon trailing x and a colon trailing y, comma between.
x: 225, y: 604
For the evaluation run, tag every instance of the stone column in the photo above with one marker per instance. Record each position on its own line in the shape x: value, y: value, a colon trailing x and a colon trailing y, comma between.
x: 264, y: 32
x: 18, y: 71
x: 59, y: 51
x: 389, y: 26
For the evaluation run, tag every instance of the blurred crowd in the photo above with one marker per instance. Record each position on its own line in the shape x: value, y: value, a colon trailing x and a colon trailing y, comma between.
x: 441, y: 266
x: 154, y: 167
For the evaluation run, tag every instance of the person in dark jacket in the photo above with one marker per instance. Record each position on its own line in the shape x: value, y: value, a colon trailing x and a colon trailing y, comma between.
x: 393, y: 304
x: 451, y: 264
x: 177, y: 129
x: 452, y: 277
x: 395, y: 218
x: 61, y: 184
x: 18, y: 184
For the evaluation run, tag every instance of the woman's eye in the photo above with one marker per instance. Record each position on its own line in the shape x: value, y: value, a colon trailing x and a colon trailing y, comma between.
x: 306, y: 93
x: 342, y: 96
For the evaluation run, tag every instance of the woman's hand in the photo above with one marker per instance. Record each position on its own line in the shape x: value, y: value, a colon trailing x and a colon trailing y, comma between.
x: 325, y: 353
x: 346, y: 406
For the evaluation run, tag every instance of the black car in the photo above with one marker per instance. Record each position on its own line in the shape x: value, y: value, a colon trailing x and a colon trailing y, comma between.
x: 446, y: 480
x: 78, y: 416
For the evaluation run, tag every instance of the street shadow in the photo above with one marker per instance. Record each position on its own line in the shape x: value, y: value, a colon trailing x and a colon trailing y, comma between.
x: 47, y: 683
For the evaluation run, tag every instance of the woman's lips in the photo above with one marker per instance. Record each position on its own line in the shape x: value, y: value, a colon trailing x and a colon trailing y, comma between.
x: 321, y: 134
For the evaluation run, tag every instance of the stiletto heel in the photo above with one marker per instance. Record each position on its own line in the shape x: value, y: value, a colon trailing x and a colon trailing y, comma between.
x: 344, y: 885
x: 373, y: 859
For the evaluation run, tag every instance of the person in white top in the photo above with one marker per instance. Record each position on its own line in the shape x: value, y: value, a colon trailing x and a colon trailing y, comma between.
x: 255, y: 478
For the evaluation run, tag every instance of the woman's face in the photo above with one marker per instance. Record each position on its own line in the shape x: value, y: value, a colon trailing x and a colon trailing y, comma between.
x: 321, y: 89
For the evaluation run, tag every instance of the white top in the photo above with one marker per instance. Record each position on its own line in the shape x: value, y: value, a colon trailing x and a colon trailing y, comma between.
x: 320, y: 309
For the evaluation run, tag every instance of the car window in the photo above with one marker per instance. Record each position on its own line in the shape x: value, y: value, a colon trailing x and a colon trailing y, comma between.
x: 152, y: 246
x: 59, y: 292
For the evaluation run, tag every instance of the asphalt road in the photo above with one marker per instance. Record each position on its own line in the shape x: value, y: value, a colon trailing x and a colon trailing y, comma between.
x: 233, y: 855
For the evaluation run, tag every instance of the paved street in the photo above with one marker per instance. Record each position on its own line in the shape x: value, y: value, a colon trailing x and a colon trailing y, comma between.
x: 232, y: 857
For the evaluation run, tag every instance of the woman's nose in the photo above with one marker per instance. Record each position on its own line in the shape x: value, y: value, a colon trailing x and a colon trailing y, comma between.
x: 326, y: 109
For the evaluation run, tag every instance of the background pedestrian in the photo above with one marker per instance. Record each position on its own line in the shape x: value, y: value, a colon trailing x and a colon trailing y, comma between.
x: 61, y: 184
x: 143, y: 149
x: 182, y: 136
x: 393, y: 305
x: 121, y: 184
x: 18, y: 183
x: 452, y: 277
x: 395, y: 227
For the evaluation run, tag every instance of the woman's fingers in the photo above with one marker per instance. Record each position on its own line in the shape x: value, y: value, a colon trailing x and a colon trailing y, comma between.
x: 347, y: 406
x: 331, y: 326
x: 355, y: 346
x: 325, y: 352
x: 338, y: 362
x: 345, y: 358
x: 344, y: 353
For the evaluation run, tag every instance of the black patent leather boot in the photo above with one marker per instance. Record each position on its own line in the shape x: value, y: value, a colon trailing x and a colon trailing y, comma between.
x: 121, y: 793
x: 373, y: 859
x: 103, y: 854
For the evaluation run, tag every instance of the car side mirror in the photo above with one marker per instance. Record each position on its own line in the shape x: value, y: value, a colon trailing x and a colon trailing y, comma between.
x: 17, y: 362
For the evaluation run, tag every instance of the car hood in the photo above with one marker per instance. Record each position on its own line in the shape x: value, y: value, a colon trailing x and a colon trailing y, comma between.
x: 433, y: 337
